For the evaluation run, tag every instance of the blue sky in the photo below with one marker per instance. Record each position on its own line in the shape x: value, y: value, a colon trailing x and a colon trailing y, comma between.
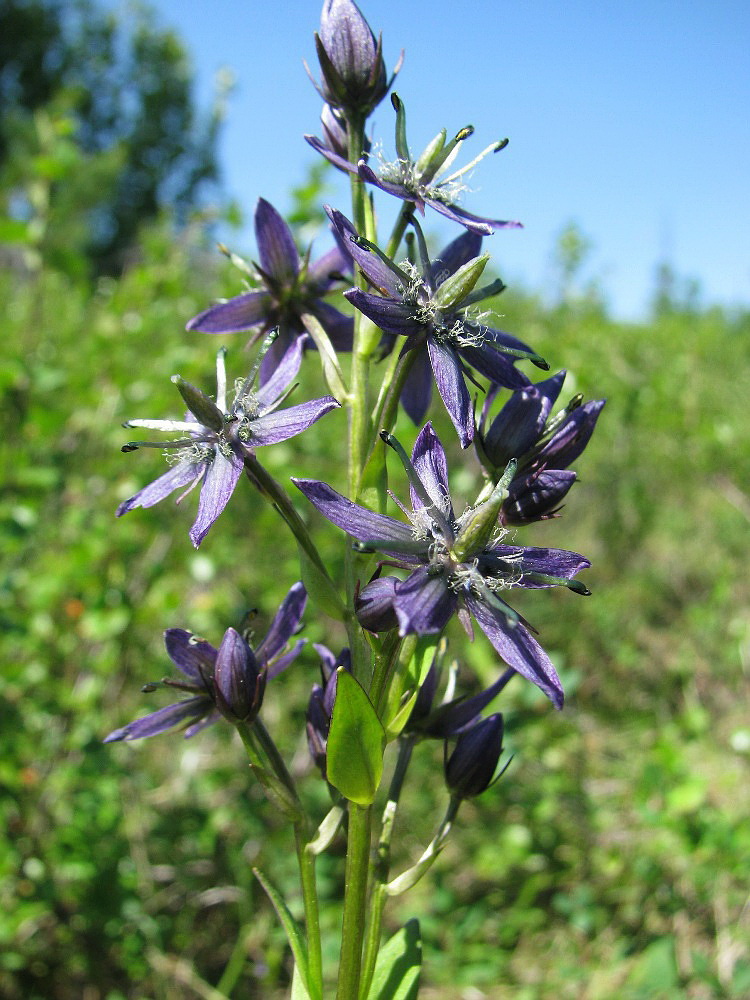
x: 631, y: 119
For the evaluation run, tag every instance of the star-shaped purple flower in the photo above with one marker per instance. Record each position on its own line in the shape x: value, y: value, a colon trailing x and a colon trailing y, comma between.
x: 292, y: 290
x: 229, y: 681
x: 457, y: 564
x: 215, y: 438
x: 426, y: 180
x: 433, y: 307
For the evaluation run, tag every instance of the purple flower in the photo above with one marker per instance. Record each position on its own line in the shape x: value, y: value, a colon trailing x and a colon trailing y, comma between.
x: 354, y: 78
x: 426, y: 180
x: 292, y: 290
x: 457, y: 564
x: 470, y: 769
x: 543, y: 447
x: 433, y: 307
x: 215, y: 438
x: 227, y: 681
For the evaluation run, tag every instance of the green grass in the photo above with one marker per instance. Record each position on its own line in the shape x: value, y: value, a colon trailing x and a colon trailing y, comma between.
x: 612, y: 859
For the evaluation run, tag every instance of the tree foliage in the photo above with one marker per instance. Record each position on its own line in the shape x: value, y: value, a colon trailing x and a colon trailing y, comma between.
x: 98, y: 128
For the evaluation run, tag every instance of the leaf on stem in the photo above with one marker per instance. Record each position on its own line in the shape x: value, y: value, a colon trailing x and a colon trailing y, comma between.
x: 398, y: 966
x: 356, y: 743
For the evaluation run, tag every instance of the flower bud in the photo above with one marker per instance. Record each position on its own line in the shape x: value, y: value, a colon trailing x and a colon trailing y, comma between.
x: 353, y: 72
x: 238, y: 684
x: 471, y: 767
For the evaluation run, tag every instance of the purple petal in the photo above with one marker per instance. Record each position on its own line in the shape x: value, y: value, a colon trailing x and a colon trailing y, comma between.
x: 279, y: 665
x: 284, y: 625
x: 326, y: 270
x: 338, y: 161
x: 374, y: 267
x: 240, y: 313
x: 423, y: 603
x: 521, y: 421
x: 340, y: 328
x: 278, y: 252
x: 552, y: 562
x: 536, y: 497
x: 190, y: 653
x: 428, y: 459
x: 178, y: 476
x: 285, y: 357
x: 417, y: 389
x: 494, y: 366
x: 398, y: 190
x: 360, y: 523
x: 160, y: 721
x: 449, y: 379
x: 518, y: 648
x: 570, y: 440
x: 391, y: 315
x: 284, y: 424
x: 374, y: 605
x: 218, y: 486
x: 476, y: 223
x: 459, y: 252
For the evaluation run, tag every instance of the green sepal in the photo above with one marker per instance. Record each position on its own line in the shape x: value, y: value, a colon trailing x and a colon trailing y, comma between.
x: 319, y: 586
x: 356, y: 743
x: 405, y: 685
x: 398, y: 967
x: 292, y: 929
x: 200, y: 405
x: 455, y: 289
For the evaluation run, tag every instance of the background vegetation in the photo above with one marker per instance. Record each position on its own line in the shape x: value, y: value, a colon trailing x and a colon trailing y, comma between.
x: 612, y: 859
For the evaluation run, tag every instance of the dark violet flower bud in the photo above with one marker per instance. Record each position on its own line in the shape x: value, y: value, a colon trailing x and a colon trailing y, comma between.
x: 320, y: 706
x: 471, y: 767
x: 238, y: 683
x: 353, y: 75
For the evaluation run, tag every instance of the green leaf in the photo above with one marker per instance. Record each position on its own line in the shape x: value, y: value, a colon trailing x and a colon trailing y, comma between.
x: 299, y: 990
x: 398, y: 966
x: 290, y: 925
x: 404, y: 688
x: 356, y: 743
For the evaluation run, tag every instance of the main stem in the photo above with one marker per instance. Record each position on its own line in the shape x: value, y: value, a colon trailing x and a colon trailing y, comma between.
x: 355, y: 898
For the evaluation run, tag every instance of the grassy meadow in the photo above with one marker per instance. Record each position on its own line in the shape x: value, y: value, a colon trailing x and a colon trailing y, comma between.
x: 611, y: 861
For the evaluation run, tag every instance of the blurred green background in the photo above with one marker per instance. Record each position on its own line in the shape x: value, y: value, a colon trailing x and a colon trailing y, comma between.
x: 613, y: 858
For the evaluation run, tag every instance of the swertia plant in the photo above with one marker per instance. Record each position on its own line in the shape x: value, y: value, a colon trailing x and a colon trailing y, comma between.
x: 412, y: 318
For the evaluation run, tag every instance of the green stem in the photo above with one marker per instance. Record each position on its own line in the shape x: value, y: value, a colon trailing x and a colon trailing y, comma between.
x: 399, y: 228
x: 306, y: 861
x: 355, y: 898
x: 267, y: 485
x: 382, y: 865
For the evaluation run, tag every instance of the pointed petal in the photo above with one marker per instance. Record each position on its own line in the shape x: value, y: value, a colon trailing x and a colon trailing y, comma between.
x: 430, y: 464
x: 423, y: 603
x: 165, y: 718
x: 270, y: 428
x: 279, y: 666
x: 277, y: 250
x: 449, y: 379
x: 477, y: 223
x: 518, y: 648
x: 285, y: 359
x: 391, y: 315
x: 190, y: 653
x: 569, y: 441
x: 537, y: 496
x: 177, y: 476
x: 240, y: 313
x: 218, y: 486
x: 357, y: 521
x: 532, y: 559
x: 373, y: 266
x: 417, y: 389
x: 284, y: 625
x: 338, y: 161
x: 494, y: 366
x: 459, y: 252
x: 323, y: 272
x: 368, y: 175
x: 520, y: 423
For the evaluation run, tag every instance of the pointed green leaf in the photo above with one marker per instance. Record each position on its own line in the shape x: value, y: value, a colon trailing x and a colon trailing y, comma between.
x: 399, y: 963
x: 290, y: 925
x: 356, y: 743
x: 405, y: 685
